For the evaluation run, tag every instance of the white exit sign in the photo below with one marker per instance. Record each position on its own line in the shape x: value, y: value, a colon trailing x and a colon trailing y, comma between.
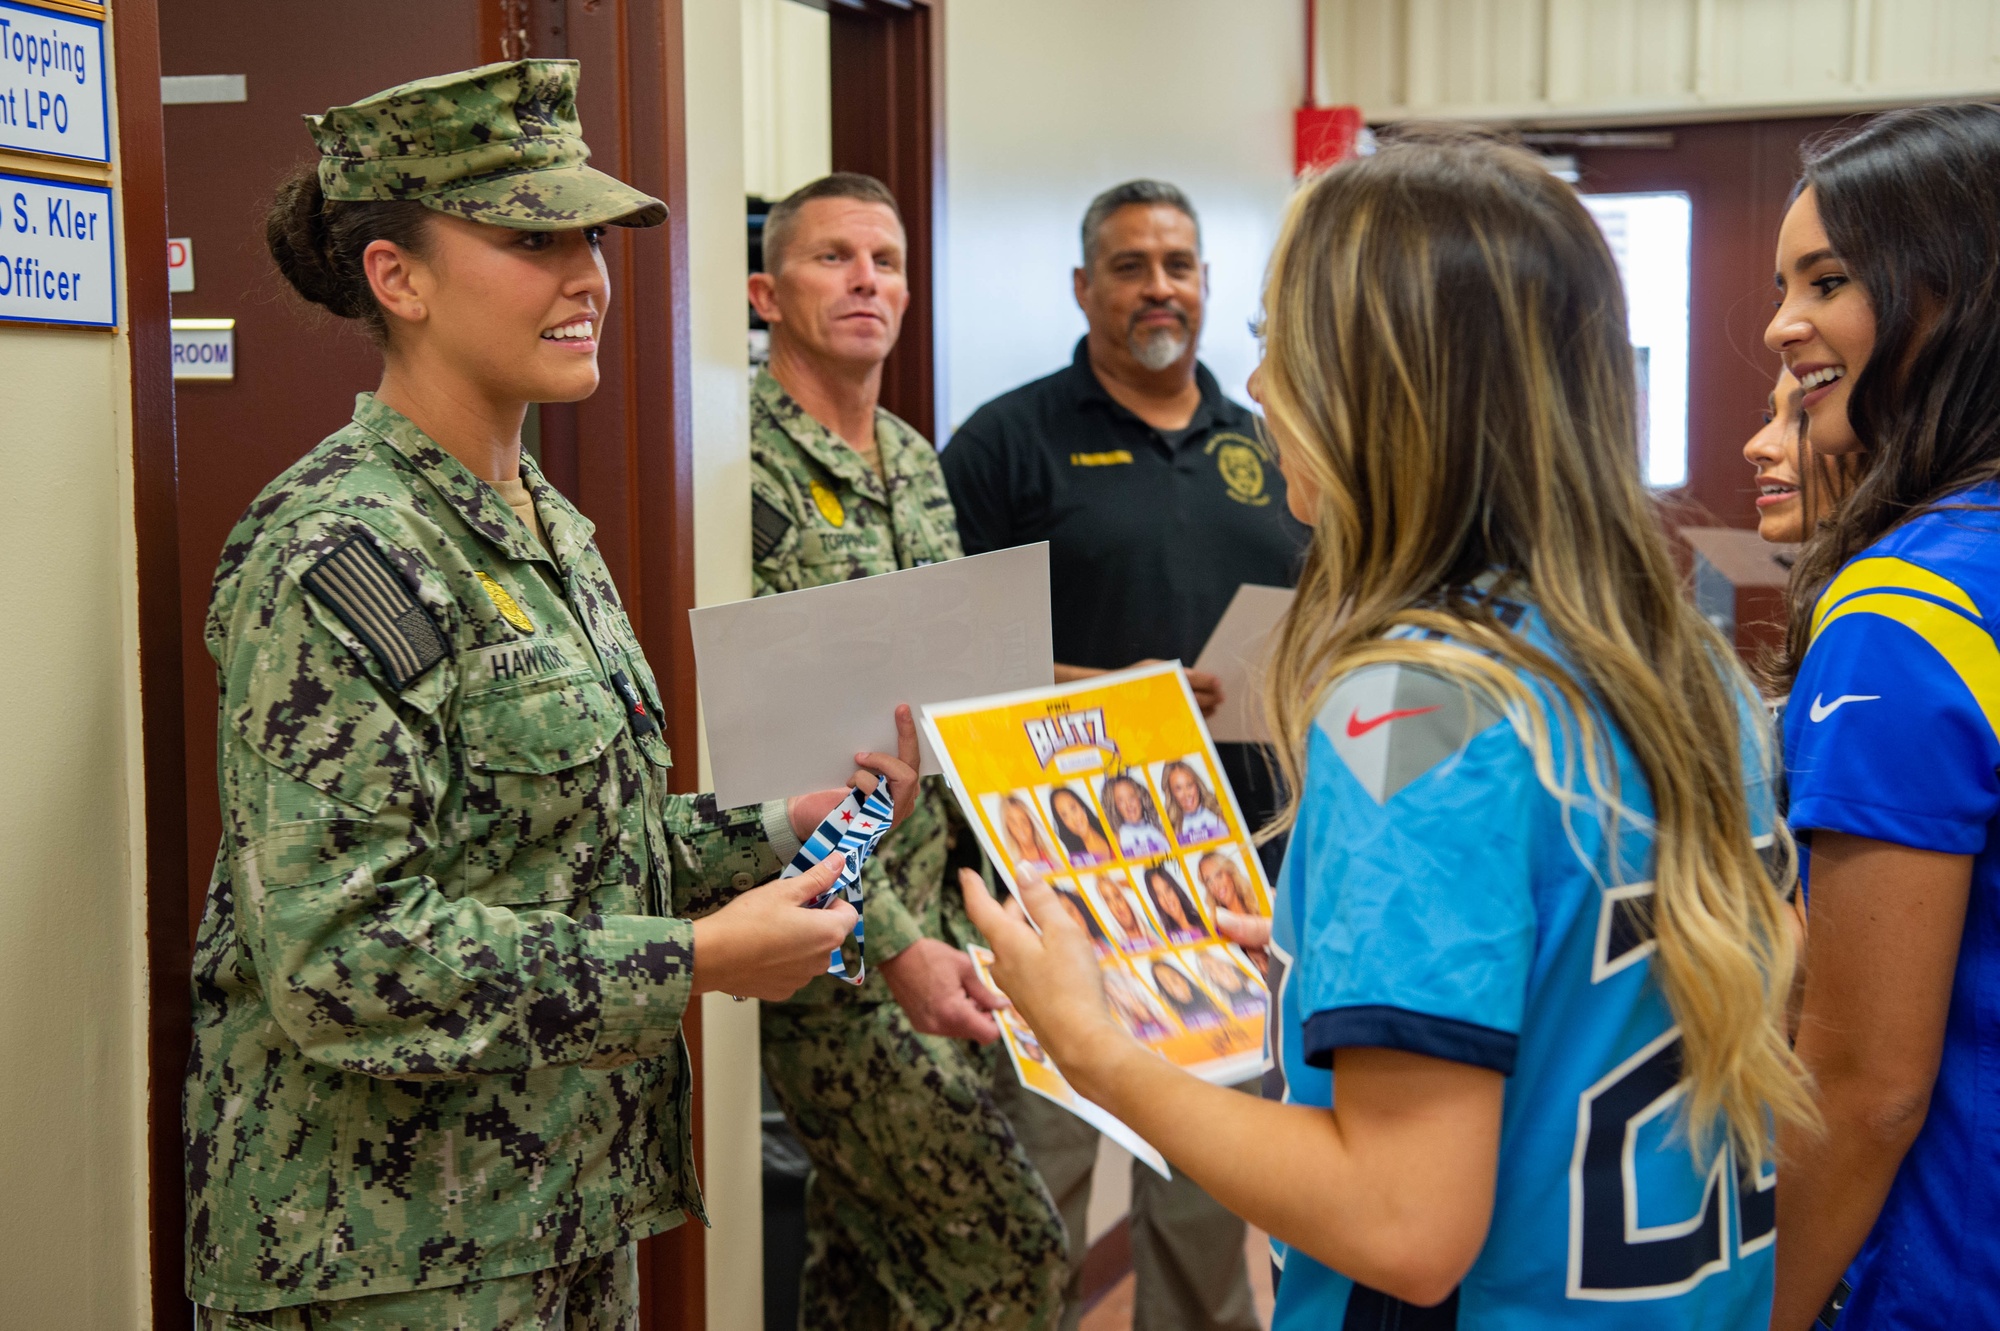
x: 204, y: 348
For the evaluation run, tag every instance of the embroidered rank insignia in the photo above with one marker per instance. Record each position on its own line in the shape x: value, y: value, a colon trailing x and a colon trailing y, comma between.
x: 359, y: 584
x: 510, y: 609
x: 768, y: 527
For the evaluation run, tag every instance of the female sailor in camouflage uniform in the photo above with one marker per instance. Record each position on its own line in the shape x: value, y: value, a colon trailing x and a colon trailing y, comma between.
x: 438, y: 1079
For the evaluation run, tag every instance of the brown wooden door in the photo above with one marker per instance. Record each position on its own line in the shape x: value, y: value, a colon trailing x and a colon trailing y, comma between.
x: 623, y: 456
x: 1738, y: 176
x: 888, y: 122
x: 297, y: 370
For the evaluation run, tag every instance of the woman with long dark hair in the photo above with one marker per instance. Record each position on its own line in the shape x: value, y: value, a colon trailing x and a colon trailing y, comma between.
x: 1174, y: 907
x: 1082, y: 836
x: 1798, y: 485
x: 1889, y: 268
x: 1195, y: 1009
x: 1503, y: 724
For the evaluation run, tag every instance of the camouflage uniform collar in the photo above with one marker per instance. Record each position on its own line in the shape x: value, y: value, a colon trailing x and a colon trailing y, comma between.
x: 478, y: 503
x: 569, y: 532
x: 823, y: 445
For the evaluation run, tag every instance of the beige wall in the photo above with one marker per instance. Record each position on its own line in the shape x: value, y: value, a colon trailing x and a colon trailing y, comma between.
x: 1609, y: 60
x: 1050, y: 101
x: 732, y: 1172
x: 72, y: 964
x: 787, y: 87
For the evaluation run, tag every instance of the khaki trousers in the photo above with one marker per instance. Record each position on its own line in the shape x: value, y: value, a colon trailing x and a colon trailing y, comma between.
x: 1187, y: 1252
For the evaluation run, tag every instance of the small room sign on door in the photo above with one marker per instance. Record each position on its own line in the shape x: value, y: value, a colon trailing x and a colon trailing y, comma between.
x: 204, y: 348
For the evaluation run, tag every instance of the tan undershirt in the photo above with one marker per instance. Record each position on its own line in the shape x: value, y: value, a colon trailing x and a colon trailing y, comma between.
x: 515, y: 492
x: 872, y: 455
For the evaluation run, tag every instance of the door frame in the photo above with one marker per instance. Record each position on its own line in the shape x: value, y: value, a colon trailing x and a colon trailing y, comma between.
x: 887, y: 80
x: 636, y: 483
x: 142, y: 188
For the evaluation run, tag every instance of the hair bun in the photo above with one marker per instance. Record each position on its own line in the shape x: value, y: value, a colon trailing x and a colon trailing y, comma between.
x: 296, y: 231
x: 320, y: 245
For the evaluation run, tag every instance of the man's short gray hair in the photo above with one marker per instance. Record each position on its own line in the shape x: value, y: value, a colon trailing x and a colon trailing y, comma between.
x: 1120, y: 196
x: 784, y: 214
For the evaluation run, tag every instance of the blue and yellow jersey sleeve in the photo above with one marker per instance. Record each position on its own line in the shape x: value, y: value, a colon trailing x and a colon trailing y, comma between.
x: 1418, y: 926
x: 1893, y: 730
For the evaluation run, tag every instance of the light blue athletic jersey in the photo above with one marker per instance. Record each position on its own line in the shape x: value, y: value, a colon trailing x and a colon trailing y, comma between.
x: 1434, y: 899
x: 1893, y: 733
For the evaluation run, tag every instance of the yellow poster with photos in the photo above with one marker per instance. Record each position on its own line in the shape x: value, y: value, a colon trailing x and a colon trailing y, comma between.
x: 1109, y: 790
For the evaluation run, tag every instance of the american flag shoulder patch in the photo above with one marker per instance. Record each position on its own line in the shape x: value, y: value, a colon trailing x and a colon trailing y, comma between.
x: 768, y: 527
x: 358, y: 583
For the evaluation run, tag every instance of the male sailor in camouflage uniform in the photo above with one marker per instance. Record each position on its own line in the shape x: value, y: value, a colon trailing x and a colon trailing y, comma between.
x: 437, y: 1080
x: 922, y: 1210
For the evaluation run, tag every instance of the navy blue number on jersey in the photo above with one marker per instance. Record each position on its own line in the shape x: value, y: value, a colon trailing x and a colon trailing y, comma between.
x: 1612, y: 1256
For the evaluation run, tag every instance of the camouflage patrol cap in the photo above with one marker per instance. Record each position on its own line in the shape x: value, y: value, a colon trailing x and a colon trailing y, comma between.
x: 499, y: 144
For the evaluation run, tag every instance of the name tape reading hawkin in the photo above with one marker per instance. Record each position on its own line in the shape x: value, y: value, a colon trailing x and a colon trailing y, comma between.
x: 58, y: 258
x: 52, y: 97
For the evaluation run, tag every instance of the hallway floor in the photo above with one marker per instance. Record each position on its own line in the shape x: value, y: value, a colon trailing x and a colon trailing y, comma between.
x: 1114, y: 1311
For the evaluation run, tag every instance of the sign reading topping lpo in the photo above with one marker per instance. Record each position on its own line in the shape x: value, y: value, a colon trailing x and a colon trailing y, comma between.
x: 52, y: 96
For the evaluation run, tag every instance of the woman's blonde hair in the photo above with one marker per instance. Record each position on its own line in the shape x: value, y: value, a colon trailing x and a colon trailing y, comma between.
x: 1448, y: 368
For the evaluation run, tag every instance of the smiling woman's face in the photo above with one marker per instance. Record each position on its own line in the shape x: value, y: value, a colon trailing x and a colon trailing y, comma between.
x: 515, y: 314
x: 1774, y: 452
x: 1219, y: 877
x: 1167, y: 899
x: 1070, y: 812
x: 1020, y: 827
x: 1125, y: 796
x: 1824, y: 327
x: 1173, y: 983
x: 1181, y: 785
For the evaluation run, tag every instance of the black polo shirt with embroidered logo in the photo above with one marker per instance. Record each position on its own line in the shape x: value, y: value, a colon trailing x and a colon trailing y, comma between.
x: 1150, y: 533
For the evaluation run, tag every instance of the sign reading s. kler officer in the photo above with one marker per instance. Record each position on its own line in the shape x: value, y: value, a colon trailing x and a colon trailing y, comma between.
x: 52, y: 97
x: 58, y: 260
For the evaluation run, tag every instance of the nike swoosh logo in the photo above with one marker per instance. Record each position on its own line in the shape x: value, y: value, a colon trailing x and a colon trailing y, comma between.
x: 1356, y: 727
x: 1822, y: 710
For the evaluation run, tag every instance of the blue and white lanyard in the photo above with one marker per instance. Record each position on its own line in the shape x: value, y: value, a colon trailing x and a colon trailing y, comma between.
x: 853, y: 828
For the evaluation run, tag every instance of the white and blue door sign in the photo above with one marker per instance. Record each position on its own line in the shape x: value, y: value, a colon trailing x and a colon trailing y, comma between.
x: 52, y: 94
x: 58, y: 255
x: 204, y: 348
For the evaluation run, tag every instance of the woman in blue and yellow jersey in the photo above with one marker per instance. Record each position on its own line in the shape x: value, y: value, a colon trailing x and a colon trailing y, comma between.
x: 1890, y: 322
x: 1529, y: 963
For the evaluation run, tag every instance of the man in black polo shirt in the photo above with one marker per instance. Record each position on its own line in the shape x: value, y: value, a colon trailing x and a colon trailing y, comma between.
x: 1158, y: 499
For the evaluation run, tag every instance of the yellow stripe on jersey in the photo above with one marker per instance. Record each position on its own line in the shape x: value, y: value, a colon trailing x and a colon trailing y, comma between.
x: 1966, y: 647
x: 1884, y: 573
